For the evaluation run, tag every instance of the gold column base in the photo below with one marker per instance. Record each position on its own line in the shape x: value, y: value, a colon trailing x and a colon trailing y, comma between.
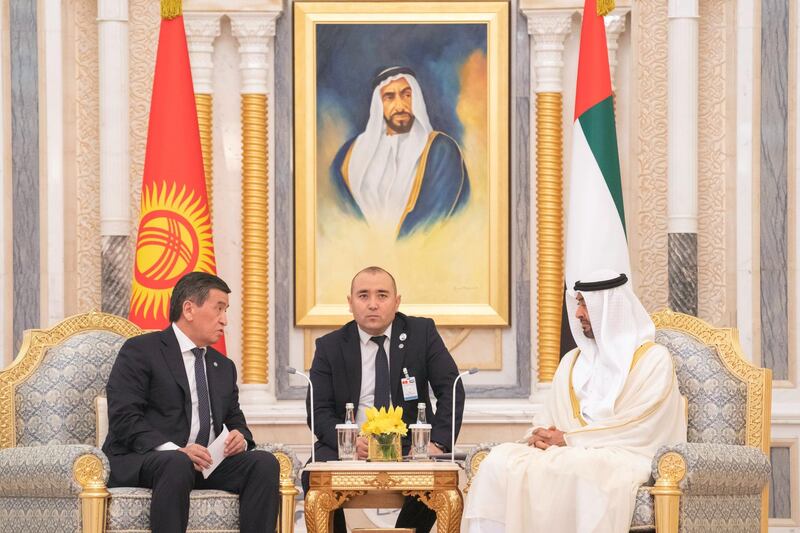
x: 671, y: 470
x: 88, y: 472
x: 255, y: 245
x: 549, y: 231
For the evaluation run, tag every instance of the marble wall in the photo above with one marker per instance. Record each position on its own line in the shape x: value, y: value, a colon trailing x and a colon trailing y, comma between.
x: 773, y: 185
x: 24, y: 105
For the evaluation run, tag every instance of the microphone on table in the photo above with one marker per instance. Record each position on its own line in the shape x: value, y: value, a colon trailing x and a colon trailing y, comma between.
x: 293, y: 370
x: 453, y: 434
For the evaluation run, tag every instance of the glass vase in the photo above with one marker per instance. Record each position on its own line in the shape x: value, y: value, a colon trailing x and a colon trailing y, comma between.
x: 385, y: 447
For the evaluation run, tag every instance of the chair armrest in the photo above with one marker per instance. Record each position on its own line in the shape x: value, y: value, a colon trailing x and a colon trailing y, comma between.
x: 290, y: 464
x: 48, y: 471
x: 475, y: 457
x: 719, y: 469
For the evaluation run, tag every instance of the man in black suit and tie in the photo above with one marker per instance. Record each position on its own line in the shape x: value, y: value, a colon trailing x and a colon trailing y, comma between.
x: 363, y: 363
x: 169, y: 394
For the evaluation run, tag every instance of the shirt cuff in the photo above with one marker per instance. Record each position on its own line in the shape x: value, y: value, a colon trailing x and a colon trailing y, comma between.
x: 167, y: 446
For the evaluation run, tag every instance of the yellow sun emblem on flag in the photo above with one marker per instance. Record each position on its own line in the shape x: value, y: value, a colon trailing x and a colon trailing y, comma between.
x: 174, y: 239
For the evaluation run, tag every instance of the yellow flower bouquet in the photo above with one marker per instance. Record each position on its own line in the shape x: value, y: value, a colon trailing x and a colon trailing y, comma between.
x: 384, y: 429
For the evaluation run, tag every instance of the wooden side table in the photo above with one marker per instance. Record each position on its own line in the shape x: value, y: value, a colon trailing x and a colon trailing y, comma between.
x: 342, y: 484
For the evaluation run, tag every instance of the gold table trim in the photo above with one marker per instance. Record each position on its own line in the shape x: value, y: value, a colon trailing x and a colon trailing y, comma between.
x: 331, y: 488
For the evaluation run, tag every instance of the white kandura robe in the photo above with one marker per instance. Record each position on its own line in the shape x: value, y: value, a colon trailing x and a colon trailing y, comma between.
x: 588, y: 486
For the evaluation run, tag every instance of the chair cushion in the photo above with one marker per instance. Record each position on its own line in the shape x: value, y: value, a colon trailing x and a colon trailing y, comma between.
x: 717, y: 398
x: 209, y: 510
x: 100, y: 420
x: 644, y: 518
x: 56, y: 404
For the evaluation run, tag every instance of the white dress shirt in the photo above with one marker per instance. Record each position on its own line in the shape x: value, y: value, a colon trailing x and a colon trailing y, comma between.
x: 186, y: 346
x: 369, y: 350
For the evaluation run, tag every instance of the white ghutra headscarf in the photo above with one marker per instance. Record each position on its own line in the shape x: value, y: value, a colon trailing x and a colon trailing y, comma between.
x: 382, y: 167
x: 620, y: 324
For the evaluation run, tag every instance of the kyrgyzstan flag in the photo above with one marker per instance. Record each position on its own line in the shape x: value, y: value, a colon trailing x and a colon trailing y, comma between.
x: 174, y: 236
x: 595, y: 213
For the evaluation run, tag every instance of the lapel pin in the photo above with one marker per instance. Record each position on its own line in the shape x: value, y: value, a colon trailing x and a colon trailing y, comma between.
x: 400, y: 345
x: 215, y: 363
x: 403, y: 337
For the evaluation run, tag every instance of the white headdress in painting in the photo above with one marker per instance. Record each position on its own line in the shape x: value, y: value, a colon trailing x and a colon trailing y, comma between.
x: 620, y: 324
x: 382, y: 167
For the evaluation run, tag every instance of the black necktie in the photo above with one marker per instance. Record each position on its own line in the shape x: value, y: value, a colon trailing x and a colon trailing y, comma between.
x: 381, y: 374
x: 203, y: 404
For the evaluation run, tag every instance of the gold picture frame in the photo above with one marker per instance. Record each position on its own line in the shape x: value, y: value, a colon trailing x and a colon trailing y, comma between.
x: 454, y: 265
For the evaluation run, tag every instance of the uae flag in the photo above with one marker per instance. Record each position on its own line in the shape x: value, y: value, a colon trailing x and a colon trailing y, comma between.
x: 174, y: 236
x: 595, y: 215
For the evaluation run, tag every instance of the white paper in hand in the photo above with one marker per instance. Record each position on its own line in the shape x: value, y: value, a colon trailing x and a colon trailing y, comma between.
x: 217, y: 451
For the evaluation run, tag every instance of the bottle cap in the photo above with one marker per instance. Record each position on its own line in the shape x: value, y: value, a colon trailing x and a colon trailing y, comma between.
x: 348, y: 405
x: 420, y: 404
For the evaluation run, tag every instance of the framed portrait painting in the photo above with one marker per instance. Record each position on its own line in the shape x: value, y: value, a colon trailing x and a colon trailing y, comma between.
x: 402, y: 156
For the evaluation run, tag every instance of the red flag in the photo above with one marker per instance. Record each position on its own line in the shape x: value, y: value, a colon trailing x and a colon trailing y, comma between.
x: 174, y: 236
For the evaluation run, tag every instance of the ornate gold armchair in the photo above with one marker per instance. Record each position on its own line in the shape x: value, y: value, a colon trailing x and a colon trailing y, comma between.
x: 717, y: 481
x: 52, y: 476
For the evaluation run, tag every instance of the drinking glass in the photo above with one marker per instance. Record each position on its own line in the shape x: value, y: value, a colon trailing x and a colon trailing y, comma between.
x: 420, y: 438
x: 347, y: 434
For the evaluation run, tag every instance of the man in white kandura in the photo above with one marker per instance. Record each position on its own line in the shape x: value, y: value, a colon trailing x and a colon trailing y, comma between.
x: 613, y: 403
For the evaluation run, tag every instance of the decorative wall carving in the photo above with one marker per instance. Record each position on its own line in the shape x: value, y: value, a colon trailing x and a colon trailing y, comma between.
x: 145, y: 20
x: 713, y: 162
x: 87, y: 156
x: 647, y: 218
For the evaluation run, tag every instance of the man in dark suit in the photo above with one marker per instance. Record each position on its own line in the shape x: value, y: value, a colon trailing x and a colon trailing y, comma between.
x: 363, y: 363
x: 169, y: 394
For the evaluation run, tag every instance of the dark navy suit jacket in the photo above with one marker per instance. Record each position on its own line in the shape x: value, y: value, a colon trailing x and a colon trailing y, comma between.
x: 149, y: 401
x: 336, y: 375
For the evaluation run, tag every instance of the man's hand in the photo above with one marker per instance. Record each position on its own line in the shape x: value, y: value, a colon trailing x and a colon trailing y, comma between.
x: 544, y: 438
x: 362, y: 447
x: 234, y: 443
x: 199, y: 456
x: 434, y: 449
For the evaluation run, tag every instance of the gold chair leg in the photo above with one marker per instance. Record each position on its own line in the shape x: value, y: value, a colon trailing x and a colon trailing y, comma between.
x: 288, y: 493
x: 671, y: 470
x: 288, y: 502
x: 88, y: 471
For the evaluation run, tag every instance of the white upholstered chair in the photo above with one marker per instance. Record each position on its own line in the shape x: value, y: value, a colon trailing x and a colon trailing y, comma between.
x: 52, y: 473
x: 717, y: 481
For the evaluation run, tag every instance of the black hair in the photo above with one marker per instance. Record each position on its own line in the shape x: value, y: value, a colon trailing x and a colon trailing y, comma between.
x: 193, y: 287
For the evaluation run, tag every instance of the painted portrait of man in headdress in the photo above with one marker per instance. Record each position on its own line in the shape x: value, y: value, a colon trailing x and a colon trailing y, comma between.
x: 405, y: 173
x: 400, y: 175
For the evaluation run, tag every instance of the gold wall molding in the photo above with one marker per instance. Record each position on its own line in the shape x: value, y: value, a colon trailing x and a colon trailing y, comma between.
x: 549, y: 230
x: 647, y: 235
x: 205, y: 121
x: 716, y: 169
x: 255, y: 241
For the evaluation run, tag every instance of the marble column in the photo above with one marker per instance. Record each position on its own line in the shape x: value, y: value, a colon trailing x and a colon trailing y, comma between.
x: 25, y: 233
x: 548, y: 30
x: 255, y: 32
x: 115, y: 217
x: 615, y: 26
x: 201, y: 30
x: 682, y: 154
x: 54, y: 173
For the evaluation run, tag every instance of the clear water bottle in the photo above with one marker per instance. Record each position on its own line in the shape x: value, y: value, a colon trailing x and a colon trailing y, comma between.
x: 421, y: 416
x: 420, y: 434
x: 347, y: 434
